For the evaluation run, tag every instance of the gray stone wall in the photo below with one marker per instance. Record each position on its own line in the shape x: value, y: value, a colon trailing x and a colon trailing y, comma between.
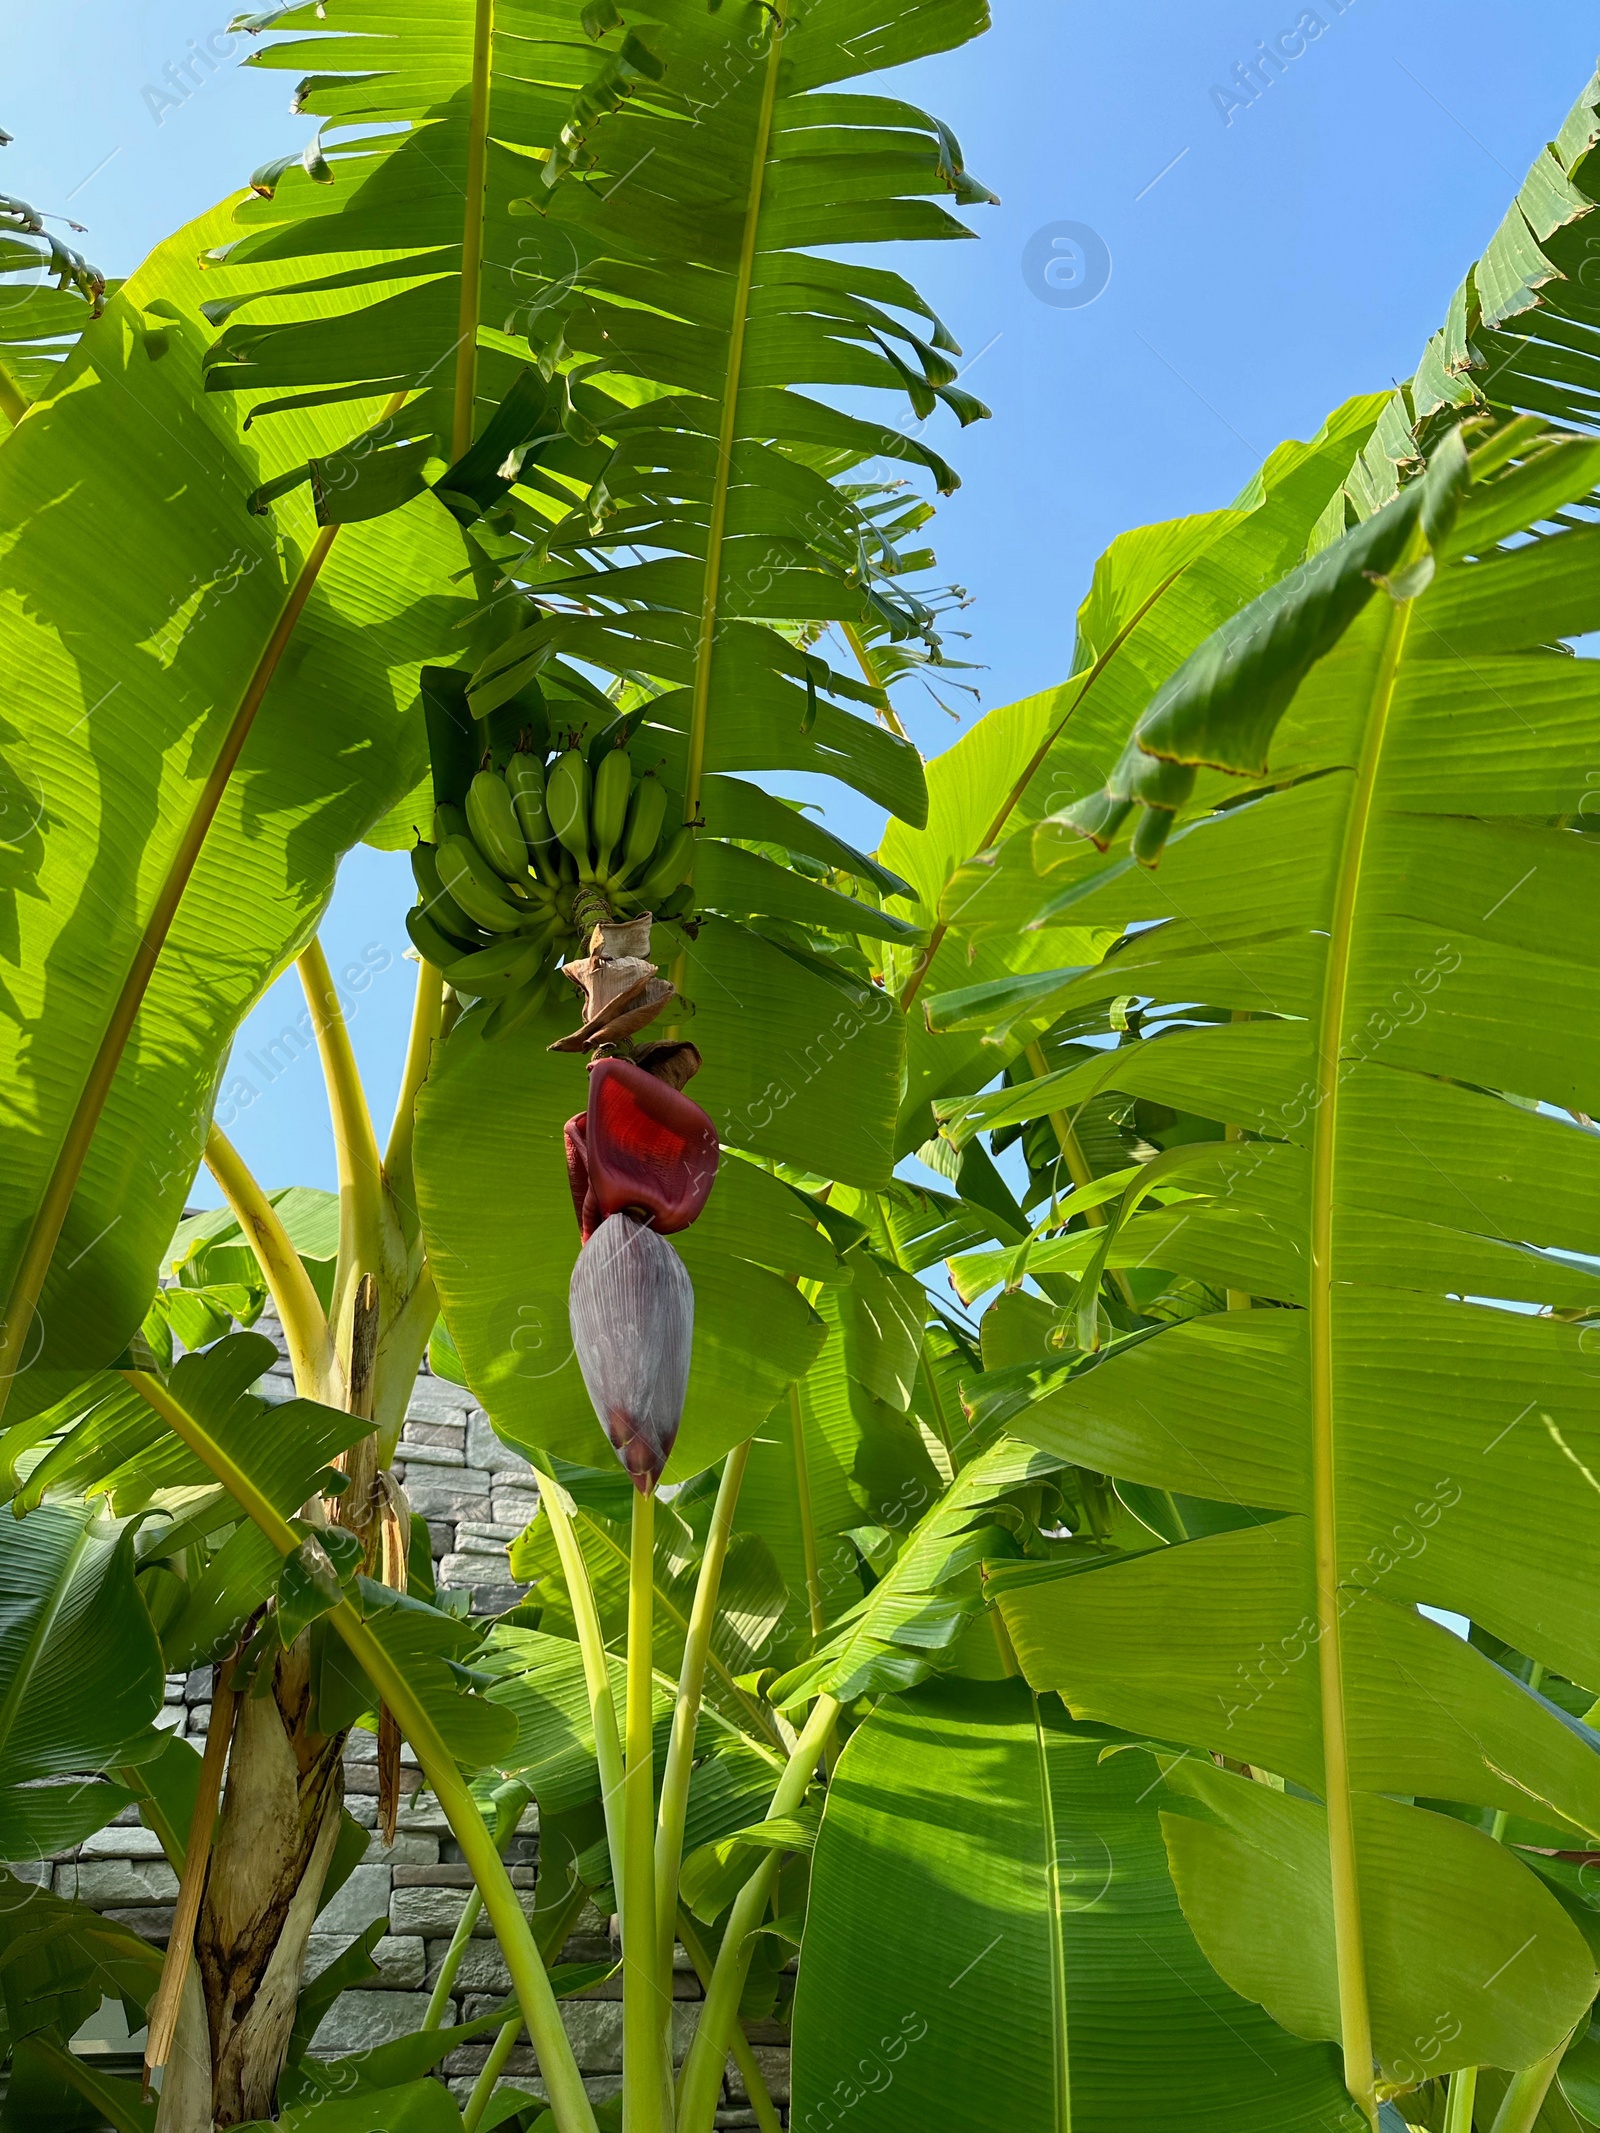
x: 477, y: 1496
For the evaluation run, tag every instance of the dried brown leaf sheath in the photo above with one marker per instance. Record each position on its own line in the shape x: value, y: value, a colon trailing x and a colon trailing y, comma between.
x: 632, y: 1309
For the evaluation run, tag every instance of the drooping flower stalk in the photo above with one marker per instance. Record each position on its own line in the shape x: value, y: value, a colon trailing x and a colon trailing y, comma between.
x: 641, y: 1161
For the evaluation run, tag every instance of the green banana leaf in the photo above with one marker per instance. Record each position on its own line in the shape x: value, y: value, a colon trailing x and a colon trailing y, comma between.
x: 52, y: 2090
x: 406, y: 2059
x: 210, y: 1250
x: 80, y: 1676
x: 59, y: 1959
x: 1157, y: 593
x: 540, y: 1679
x: 177, y: 848
x: 1578, y: 2081
x: 828, y: 1459
x: 751, y: 1601
x: 491, y: 1175
x: 671, y: 303
x: 926, y: 1597
x: 1027, y: 1962
x: 752, y: 1594
x: 803, y: 1060
x: 121, y: 1448
x: 412, y: 2107
x: 270, y: 1461
x: 684, y: 281
x: 1411, y: 1176
x: 391, y: 220
x: 115, y: 1446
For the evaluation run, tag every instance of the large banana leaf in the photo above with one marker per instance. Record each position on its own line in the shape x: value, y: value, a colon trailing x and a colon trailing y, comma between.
x: 646, y: 193
x: 1025, y: 1960
x: 80, y: 1676
x: 1404, y: 893
x: 409, y: 1648
x: 1157, y: 592
x: 190, y: 744
x: 59, y: 1959
x: 678, y: 266
x: 58, y: 1962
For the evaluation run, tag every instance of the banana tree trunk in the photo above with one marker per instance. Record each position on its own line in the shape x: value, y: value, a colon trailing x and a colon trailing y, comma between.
x: 285, y: 1785
x: 279, y: 1823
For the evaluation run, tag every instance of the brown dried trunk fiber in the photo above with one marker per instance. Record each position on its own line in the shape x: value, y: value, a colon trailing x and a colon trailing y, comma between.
x: 280, y: 1820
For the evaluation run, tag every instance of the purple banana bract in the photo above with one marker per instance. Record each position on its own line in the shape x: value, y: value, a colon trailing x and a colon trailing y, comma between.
x: 632, y: 1309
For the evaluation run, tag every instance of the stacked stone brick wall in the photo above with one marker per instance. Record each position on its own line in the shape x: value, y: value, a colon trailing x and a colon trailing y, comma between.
x: 477, y: 1496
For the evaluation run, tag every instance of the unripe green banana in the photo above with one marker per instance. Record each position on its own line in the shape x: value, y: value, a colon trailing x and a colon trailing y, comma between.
x: 646, y: 812
x: 667, y: 869
x: 567, y: 797
x: 525, y: 783
x: 470, y: 879
x: 441, y: 909
x: 495, y: 829
x: 518, y: 1007
x: 432, y: 945
x: 680, y: 902
x: 613, y: 783
x: 449, y: 821
x: 497, y: 970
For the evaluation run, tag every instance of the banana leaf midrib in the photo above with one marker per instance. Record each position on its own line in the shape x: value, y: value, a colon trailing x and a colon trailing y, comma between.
x: 738, y: 329
x: 471, y: 292
x: 1355, y: 2015
x: 1060, y: 2031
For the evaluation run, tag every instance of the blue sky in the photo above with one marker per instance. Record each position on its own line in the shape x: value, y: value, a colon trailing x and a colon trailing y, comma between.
x: 1266, y: 259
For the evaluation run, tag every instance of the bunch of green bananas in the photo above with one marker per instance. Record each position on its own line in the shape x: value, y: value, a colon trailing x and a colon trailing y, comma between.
x: 519, y: 876
x: 612, y: 828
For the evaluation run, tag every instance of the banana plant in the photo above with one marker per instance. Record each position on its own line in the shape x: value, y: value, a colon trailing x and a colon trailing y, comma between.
x: 1156, y: 594
x: 1191, y: 1236
x: 591, y: 342
x: 352, y: 482
x: 1396, y: 1044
